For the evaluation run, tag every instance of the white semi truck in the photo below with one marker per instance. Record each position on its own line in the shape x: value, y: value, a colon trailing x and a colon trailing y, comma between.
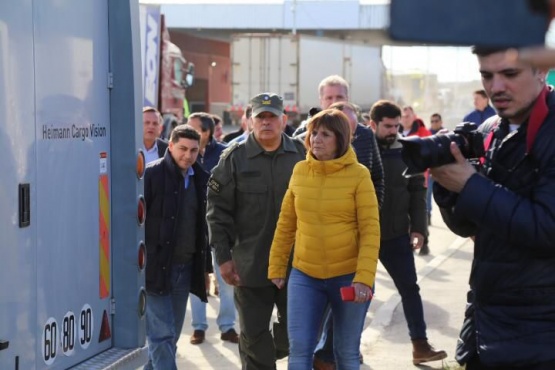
x: 71, y: 210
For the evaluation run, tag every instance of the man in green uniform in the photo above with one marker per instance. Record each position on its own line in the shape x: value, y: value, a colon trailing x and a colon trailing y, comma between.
x: 244, y: 200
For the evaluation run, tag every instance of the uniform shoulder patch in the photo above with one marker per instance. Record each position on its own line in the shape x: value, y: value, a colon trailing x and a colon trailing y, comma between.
x: 227, y: 151
x: 214, y: 185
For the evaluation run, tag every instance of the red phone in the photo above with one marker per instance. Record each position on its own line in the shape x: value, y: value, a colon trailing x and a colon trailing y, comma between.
x: 348, y: 293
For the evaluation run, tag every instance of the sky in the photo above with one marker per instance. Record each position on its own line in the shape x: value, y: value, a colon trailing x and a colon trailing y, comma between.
x: 449, y: 63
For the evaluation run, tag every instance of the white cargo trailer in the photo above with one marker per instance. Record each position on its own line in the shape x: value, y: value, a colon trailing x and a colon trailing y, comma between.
x: 294, y: 65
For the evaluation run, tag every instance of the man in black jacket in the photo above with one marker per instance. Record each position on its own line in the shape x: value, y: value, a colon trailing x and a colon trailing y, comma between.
x: 175, y: 232
x: 403, y: 226
x: 509, y: 207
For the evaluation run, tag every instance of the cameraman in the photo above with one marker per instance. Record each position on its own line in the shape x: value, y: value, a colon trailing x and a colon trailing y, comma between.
x: 510, y: 209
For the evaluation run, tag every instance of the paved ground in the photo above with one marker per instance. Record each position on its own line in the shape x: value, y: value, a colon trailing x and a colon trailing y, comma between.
x: 385, y: 344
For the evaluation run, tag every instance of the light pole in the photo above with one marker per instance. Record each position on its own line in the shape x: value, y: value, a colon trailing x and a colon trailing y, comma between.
x: 211, y: 66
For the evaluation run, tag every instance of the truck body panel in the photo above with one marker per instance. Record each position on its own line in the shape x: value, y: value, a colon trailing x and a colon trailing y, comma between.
x: 294, y: 65
x: 149, y: 16
x: 64, y: 263
x: 166, y: 73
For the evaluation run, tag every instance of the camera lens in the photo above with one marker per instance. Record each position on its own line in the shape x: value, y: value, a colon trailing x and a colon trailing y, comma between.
x: 420, y: 154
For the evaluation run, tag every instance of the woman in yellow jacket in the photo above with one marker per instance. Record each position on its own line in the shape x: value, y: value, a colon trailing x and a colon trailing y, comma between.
x: 330, y: 214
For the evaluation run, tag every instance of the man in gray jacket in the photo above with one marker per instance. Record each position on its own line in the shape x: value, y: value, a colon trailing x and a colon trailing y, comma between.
x: 245, y: 194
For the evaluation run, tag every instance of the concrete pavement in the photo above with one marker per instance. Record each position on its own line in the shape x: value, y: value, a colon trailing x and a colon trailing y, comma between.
x: 443, y: 286
x: 443, y: 277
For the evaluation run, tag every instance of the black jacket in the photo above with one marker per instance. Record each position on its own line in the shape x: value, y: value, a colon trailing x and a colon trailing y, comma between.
x: 368, y: 154
x: 404, y: 207
x: 510, y: 209
x: 163, y: 187
x: 232, y: 135
x: 162, y: 146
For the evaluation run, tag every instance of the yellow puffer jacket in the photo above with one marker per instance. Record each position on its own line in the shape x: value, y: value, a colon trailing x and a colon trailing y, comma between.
x: 330, y: 213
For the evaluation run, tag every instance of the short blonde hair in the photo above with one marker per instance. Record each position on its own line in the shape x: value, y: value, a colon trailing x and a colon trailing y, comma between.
x: 333, y: 80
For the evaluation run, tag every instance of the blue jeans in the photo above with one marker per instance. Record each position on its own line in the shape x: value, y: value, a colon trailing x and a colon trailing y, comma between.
x: 165, y: 315
x: 226, y: 313
x: 306, y: 302
x: 397, y: 257
x: 324, y: 348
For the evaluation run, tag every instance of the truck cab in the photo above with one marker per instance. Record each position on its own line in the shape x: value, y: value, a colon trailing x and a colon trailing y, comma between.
x: 166, y: 73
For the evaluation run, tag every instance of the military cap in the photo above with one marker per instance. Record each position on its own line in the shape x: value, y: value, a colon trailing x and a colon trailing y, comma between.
x: 267, y: 102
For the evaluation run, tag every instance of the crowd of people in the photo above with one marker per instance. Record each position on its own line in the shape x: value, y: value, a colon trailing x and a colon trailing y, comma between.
x: 297, y: 222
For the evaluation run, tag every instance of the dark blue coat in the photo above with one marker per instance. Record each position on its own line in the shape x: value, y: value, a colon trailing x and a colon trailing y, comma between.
x: 511, y: 211
x: 163, y: 186
x: 479, y: 116
x: 212, y: 154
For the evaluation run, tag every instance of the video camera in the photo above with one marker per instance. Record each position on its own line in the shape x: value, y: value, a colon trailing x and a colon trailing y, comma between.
x: 419, y: 153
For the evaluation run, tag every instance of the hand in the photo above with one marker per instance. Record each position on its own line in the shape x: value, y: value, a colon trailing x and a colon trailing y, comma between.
x: 454, y: 176
x: 280, y: 283
x: 229, y: 274
x: 539, y: 57
x: 416, y: 240
x: 363, y: 293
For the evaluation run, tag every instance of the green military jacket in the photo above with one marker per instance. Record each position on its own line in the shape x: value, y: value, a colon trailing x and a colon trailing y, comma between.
x: 244, y: 200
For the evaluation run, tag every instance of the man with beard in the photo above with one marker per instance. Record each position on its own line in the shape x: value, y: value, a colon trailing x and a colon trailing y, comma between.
x: 403, y: 226
x: 508, y: 206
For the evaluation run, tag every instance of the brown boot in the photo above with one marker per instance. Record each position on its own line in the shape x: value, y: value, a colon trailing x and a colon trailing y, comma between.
x: 197, y: 337
x: 319, y: 364
x: 422, y: 351
x: 230, y: 336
